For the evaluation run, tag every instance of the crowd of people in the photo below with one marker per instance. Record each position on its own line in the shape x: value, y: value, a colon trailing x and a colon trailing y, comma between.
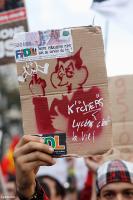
x: 107, y: 179
x: 110, y: 180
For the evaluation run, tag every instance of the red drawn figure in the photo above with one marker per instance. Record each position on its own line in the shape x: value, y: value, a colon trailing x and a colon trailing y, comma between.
x: 79, y: 111
x: 36, y: 80
x: 42, y: 115
x: 69, y: 73
x: 31, y: 69
x: 40, y: 102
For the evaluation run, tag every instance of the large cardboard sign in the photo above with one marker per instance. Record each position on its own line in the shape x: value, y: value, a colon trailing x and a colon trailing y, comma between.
x: 63, y: 88
x: 121, y: 97
x: 11, y: 22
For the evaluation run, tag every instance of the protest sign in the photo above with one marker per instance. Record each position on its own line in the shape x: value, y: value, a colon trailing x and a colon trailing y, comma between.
x: 121, y: 98
x: 64, y: 89
x: 12, y: 21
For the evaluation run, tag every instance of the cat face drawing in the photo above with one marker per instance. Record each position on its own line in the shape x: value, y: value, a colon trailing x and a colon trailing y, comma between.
x: 69, y: 72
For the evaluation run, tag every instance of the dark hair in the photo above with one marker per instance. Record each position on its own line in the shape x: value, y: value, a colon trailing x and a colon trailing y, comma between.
x: 46, y: 189
x: 71, y: 189
x: 11, y: 178
x: 60, y: 190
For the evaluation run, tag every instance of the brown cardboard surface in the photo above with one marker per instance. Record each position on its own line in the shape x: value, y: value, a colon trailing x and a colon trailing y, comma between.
x: 122, y: 133
x: 121, y: 98
x: 91, y: 53
x: 89, y: 147
x: 69, y: 94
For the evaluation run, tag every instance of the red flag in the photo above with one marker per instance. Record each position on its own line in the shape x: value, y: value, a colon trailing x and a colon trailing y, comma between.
x: 7, y: 163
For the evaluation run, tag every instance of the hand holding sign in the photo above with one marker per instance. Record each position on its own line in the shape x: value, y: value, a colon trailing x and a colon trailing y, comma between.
x: 30, y: 153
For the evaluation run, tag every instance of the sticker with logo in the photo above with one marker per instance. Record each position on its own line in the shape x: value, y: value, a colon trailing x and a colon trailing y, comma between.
x: 43, y: 45
x: 25, y: 53
x: 57, y: 141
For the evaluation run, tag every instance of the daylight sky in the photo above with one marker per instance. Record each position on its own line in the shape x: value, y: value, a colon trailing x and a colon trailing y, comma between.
x: 47, y: 14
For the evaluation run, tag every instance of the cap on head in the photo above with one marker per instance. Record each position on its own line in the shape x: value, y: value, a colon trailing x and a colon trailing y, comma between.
x: 114, y: 171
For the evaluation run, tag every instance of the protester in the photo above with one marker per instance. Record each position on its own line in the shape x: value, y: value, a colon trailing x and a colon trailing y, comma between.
x: 45, y: 186
x: 57, y: 191
x: 72, y: 194
x: 29, y: 154
x: 11, y: 186
x: 114, y: 179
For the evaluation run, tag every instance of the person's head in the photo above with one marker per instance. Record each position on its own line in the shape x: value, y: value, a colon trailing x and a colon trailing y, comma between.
x: 115, y: 180
x: 57, y: 191
x: 45, y: 187
x: 10, y: 185
x: 71, y: 194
